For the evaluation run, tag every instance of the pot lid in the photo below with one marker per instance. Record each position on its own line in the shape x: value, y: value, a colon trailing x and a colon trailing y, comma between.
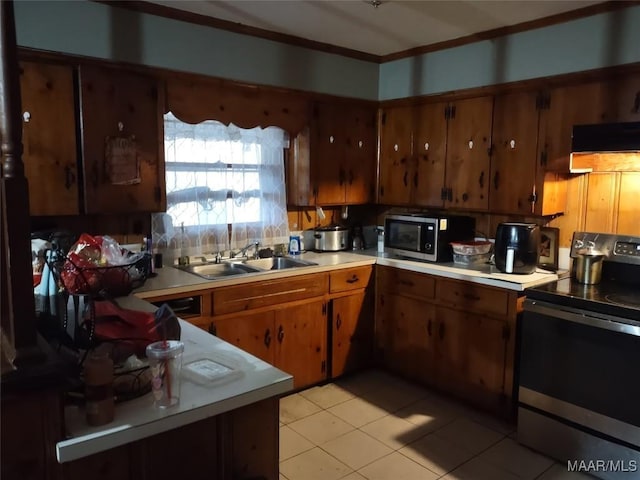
x: 331, y: 228
x: 590, y: 252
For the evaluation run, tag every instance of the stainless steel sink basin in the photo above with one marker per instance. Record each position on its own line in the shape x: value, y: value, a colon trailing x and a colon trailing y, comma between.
x: 278, y: 263
x: 215, y: 270
x: 211, y: 271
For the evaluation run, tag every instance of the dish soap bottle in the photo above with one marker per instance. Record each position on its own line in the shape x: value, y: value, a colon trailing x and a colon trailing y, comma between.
x: 184, y: 258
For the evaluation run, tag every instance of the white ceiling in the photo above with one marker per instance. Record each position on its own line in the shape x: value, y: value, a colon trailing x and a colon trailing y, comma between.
x: 394, y: 26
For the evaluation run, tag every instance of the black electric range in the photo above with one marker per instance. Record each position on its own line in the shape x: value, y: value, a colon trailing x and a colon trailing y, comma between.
x: 579, y: 351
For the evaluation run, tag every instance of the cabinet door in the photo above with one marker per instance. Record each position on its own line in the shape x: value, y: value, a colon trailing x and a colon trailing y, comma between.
x: 252, y: 332
x: 352, y: 333
x: 624, y: 94
x: 360, y: 154
x: 405, y: 332
x: 513, y: 160
x: 565, y: 107
x: 628, y: 211
x: 49, y: 138
x: 468, y: 159
x: 430, y: 145
x: 118, y: 104
x: 395, y: 155
x: 328, y: 145
x: 301, y: 342
x: 471, y: 352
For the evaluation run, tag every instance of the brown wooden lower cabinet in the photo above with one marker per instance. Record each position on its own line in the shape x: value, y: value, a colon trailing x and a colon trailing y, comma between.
x: 227, y: 447
x: 457, y: 348
x: 241, y: 444
x: 301, y: 342
x: 351, y: 332
x: 252, y: 332
x: 292, y: 337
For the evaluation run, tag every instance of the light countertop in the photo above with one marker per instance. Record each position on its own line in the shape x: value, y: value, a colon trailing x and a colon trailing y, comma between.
x: 171, y: 280
x: 138, y: 418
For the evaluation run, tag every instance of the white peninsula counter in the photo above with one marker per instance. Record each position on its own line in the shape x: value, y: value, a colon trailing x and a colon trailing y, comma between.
x: 138, y: 421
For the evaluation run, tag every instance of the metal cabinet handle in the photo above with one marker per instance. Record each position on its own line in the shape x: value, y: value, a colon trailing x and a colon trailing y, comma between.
x: 481, y: 179
x: 353, y: 279
x: 406, y: 283
x: 69, y: 177
x: 405, y: 178
x: 280, y: 333
x: 338, y: 322
x: 267, y: 337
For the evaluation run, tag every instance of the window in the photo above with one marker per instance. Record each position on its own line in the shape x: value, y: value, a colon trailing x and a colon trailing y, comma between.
x: 225, y: 185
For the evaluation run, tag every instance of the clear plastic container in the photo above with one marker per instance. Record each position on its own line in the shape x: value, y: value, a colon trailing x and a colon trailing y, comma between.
x: 477, y: 247
x: 471, y: 259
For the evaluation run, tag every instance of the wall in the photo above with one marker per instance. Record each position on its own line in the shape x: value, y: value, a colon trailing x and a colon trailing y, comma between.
x: 98, y: 30
x: 598, y: 41
x: 101, y: 31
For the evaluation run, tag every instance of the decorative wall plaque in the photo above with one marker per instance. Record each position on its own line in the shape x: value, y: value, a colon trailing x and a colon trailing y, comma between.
x: 122, y: 166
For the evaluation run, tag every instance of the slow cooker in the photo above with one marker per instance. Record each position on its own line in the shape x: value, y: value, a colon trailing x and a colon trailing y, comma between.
x: 332, y: 238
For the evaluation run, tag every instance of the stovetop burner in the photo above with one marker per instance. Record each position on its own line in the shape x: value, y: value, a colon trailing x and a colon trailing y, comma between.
x: 610, y: 298
x: 625, y: 300
x: 618, y: 293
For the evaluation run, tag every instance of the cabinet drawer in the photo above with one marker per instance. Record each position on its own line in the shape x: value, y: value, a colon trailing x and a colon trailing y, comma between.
x: 349, y: 279
x: 469, y: 296
x: 404, y: 282
x: 271, y: 292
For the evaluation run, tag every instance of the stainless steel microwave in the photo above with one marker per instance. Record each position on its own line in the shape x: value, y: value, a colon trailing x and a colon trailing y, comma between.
x: 426, y: 237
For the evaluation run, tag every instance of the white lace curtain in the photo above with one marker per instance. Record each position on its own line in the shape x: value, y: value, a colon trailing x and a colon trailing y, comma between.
x: 225, y: 188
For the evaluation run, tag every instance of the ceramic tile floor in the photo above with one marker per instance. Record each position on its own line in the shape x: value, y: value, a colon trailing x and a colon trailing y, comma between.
x: 379, y: 427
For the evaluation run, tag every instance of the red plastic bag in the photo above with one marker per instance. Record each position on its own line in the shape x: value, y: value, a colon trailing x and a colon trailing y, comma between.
x: 133, y: 327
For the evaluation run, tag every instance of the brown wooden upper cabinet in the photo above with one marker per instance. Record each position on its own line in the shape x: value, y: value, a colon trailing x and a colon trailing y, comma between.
x: 343, y: 139
x: 396, y: 155
x: 468, y: 154
x: 561, y: 109
x: 436, y: 154
x: 49, y: 138
x: 624, y: 94
x: 520, y: 183
x: 334, y: 160
x: 122, y: 141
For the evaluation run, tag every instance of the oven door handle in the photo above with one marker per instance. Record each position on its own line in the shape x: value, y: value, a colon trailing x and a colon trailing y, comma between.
x: 607, y: 322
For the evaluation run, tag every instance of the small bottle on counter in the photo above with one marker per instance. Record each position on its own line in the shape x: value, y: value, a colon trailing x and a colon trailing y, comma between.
x: 380, y: 230
x: 98, y: 381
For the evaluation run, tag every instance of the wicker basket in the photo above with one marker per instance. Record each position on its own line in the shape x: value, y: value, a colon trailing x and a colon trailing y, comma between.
x: 105, y: 282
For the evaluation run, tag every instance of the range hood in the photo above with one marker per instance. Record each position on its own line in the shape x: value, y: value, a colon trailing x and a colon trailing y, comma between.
x: 606, y: 147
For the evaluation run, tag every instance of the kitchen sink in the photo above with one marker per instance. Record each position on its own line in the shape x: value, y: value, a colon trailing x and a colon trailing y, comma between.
x: 228, y: 268
x: 277, y: 263
x: 216, y: 270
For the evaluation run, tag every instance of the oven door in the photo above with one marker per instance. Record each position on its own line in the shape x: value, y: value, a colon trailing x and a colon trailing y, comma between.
x: 582, y: 367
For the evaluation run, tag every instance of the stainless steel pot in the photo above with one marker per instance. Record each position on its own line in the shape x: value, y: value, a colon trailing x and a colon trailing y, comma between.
x: 331, y: 239
x: 589, y: 266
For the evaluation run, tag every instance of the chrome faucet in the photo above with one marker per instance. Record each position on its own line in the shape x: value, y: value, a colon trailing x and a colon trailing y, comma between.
x: 243, y: 251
